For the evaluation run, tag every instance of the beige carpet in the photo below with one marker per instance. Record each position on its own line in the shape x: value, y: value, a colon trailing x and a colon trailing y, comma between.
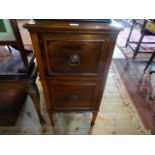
x: 117, y: 116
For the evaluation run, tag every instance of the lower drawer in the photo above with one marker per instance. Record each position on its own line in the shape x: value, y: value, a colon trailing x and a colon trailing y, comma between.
x: 72, y: 95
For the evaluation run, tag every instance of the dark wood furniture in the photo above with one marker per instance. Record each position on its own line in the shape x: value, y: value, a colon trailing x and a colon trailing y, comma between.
x: 18, y: 74
x: 13, y: 94
x: 14, y: 88
x: 73, y: 59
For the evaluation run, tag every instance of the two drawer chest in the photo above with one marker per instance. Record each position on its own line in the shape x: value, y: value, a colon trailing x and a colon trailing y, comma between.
x: 73, y: 59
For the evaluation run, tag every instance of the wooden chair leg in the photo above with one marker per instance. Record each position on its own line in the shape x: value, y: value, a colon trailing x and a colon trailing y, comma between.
x: 138, y: 46
x: 35, y: 96
x: 128, y: 39
x: 9, y: 49
x: 151, y: 72
x: 149, y: 62
x: 52, y: 118
x: 94, y: 118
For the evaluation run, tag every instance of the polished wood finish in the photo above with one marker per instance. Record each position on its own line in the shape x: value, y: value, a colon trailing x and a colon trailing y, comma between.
x: 94, y: 118
x: 74, y: 94
x: 73, y: 60
x: 13, y: 93
x: 15, y: 86
x: 10, y: 105
x: 81, y: 46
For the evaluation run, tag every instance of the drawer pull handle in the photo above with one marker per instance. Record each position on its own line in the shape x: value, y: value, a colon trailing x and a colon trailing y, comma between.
x: 73, y: 99
x: 74, y: 60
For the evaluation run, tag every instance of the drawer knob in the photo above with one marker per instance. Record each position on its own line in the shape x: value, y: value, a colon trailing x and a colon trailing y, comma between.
x: 74, y: 60
x: 73, y: 99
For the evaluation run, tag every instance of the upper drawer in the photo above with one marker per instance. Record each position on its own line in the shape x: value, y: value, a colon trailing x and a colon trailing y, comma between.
x: 73, y: 54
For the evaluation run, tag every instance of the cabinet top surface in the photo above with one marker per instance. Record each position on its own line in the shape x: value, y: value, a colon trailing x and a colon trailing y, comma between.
x: 73, y: 25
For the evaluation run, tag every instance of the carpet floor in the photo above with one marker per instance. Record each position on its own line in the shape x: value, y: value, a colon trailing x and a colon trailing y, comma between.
x: 140, y: 86
x: 117, y: 116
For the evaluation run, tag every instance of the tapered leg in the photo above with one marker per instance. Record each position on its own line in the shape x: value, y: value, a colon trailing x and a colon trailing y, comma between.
x: 52, y: 118
x: 128, y: 39
x: 9, y: 49
x: 138, y: 46
x: 35, y: 96
x: 94, y: 118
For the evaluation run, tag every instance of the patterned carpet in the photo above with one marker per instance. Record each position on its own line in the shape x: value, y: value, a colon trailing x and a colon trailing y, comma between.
x: 140, y: 86
x: 117, y: 116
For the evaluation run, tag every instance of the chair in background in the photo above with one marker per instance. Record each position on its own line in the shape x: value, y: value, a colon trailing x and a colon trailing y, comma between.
x: 17, y: 75
x: 147, y: 29
x: 10, y: 36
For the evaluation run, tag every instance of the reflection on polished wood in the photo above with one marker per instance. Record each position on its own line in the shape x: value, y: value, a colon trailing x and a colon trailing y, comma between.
x: 15, y: 86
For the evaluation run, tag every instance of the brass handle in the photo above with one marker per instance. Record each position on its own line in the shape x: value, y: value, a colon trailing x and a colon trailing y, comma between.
x: 74, y: 60
x: 73, y: 98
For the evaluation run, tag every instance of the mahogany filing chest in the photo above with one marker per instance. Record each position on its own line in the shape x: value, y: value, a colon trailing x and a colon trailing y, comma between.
x: 73, y: 59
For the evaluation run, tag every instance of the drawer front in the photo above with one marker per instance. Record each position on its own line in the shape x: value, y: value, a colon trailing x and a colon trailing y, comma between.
x: 72, y: 95
x: 73, y: 54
